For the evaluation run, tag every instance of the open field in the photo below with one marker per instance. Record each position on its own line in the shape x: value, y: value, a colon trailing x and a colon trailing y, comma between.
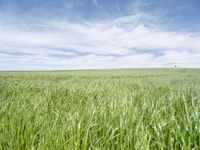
x: 100, y: 109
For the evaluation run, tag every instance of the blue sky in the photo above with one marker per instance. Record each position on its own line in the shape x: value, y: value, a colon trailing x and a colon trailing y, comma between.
x: 83, y: 34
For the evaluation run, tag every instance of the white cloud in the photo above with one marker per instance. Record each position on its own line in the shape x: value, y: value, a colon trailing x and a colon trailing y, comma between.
x: 181, y: 59
x: 97, y: 44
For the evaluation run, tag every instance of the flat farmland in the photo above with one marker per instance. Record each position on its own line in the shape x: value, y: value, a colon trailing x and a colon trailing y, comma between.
x: 100, y: 109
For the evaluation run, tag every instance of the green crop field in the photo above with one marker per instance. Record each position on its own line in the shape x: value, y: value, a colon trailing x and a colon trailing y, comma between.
x: 100, y: 109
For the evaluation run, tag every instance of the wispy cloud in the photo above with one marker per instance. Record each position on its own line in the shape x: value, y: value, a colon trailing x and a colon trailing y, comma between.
x: 96, y: 3
x: 134, y: 40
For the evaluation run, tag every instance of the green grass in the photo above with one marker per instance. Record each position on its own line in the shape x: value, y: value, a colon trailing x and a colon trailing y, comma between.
x: 100, y: 109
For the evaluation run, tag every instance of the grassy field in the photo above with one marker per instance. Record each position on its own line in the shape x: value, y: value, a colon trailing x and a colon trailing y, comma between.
x: 100, y: 109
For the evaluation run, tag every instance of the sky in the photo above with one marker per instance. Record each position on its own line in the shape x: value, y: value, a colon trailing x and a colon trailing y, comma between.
x: 97, y: 34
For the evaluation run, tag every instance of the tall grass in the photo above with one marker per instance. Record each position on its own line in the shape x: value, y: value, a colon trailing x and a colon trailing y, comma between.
x: 108, y: 109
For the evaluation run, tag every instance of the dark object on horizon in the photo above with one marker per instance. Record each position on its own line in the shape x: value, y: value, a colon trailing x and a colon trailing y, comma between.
x: 175, y: 66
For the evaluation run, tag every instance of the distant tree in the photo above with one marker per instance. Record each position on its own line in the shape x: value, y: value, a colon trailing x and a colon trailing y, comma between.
x: 175, y: 66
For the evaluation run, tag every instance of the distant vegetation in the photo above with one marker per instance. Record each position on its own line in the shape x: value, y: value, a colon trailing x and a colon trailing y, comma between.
x: 100, y: 109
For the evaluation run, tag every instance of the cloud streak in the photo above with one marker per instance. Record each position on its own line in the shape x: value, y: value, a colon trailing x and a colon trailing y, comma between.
x: 127, y: 41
